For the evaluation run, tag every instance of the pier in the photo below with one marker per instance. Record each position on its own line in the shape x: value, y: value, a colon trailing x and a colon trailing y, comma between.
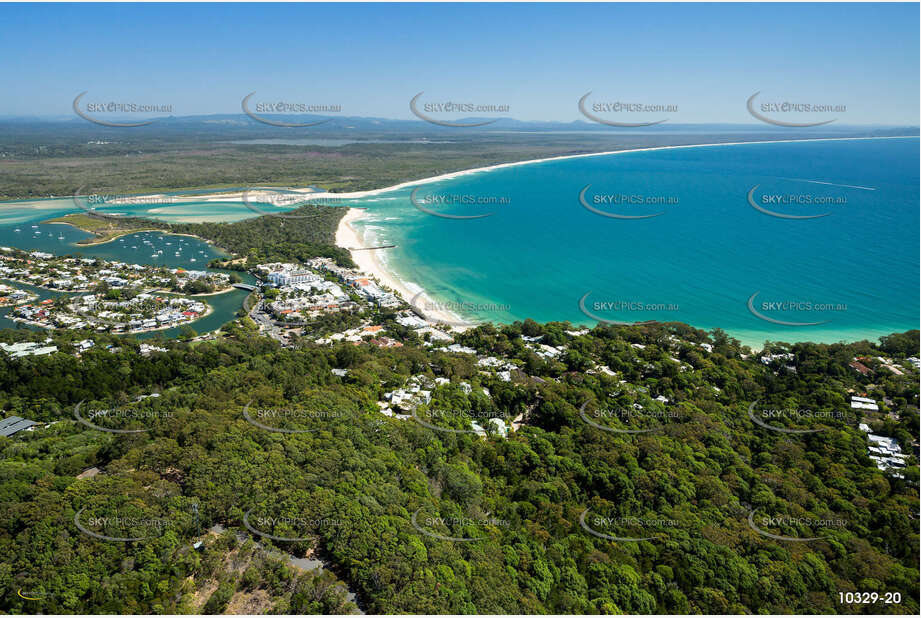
x: 370, y: 248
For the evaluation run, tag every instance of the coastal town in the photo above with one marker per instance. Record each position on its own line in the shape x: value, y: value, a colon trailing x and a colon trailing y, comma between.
x: 321, y: 302
x: 298, y: 294
x: 105, y: 296
x: 141, y: 313
x: 295, y: 296
x: 10, y: 296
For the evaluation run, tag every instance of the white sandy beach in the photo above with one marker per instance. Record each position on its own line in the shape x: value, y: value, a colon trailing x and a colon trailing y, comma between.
x: 348, y: 237
x: 263, y: 194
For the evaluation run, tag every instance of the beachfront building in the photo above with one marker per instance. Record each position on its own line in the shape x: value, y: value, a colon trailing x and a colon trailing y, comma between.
x: 288, y: 277
x: 410, y: 320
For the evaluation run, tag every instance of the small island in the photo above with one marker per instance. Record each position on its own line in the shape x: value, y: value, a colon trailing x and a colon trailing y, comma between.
x: 106, y: 228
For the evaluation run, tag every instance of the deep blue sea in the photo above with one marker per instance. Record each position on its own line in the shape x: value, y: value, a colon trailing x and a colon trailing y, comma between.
x: 709, y: 258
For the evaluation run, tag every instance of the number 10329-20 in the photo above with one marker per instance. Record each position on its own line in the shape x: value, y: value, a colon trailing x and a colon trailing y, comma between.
x: 869, y: 597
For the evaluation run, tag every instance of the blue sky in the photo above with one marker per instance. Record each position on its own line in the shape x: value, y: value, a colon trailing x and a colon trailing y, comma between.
x: 538, y: 59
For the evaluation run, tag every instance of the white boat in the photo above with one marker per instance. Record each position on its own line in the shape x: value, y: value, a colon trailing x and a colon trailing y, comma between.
x: 192, y: 260
x: 17, y: 230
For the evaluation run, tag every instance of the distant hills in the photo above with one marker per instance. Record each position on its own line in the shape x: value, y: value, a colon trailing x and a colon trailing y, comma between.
x: 358, y: 124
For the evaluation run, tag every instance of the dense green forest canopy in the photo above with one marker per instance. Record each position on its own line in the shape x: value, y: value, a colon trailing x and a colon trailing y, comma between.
x: 423, y: 520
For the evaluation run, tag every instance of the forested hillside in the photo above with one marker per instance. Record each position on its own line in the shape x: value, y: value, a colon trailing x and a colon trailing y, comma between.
x: 426, y: 517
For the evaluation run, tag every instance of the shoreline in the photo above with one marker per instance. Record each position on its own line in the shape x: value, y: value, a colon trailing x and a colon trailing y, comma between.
x: 489, y: 168
x: 451, y: 175
x: 347, y: 237
x: 129, y: 233
x: 121, y: 234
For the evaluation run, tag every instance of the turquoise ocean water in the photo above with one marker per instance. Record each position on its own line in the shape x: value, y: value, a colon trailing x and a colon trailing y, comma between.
x: 854, y: 271
x: 541, y: 250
